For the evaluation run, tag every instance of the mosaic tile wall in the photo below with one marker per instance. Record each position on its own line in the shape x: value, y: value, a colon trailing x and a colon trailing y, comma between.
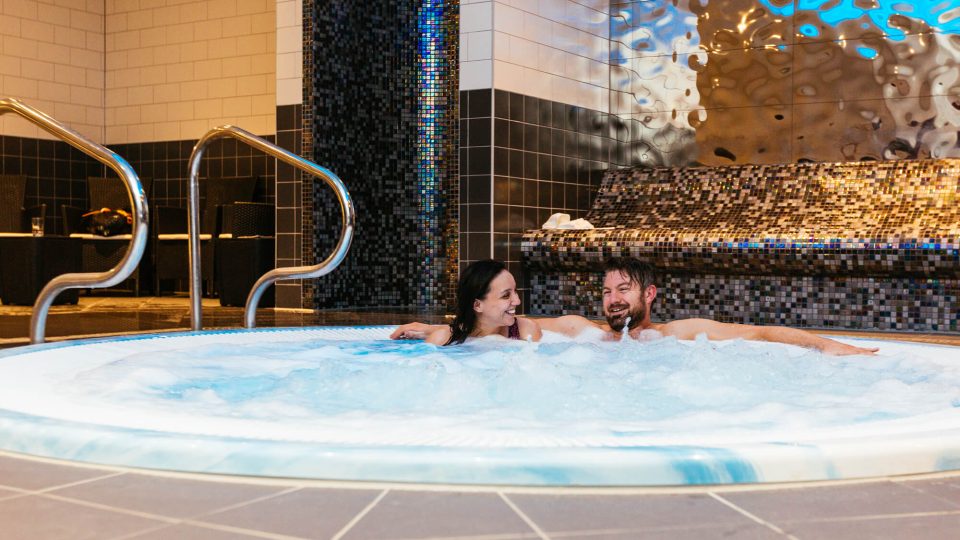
x: 521, y: 160
x: 306, y: 189
x: 380, y: 112
x: 861, y: 303
x: 873, y: 231
x: 777, y: 81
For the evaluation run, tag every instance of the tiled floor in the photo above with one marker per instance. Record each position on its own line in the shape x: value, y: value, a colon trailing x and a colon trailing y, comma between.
x: 45, y: 499
x: 99, y: 315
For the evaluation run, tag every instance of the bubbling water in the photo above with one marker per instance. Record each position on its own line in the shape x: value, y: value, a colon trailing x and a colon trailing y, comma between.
x: 625, y: 391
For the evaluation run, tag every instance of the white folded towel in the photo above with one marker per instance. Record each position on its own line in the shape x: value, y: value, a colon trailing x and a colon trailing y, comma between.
x: 580, y: 224
x: 556, y: 220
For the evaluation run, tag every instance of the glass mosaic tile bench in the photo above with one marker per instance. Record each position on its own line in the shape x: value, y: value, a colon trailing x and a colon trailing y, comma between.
x: 870, y: 245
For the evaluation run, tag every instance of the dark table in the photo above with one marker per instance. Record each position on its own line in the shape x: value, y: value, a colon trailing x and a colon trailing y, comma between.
x: 27, y: 263
x: 239, y: 264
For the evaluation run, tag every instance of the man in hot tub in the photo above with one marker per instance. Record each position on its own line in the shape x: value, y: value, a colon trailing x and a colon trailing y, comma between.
x: 628, y: 295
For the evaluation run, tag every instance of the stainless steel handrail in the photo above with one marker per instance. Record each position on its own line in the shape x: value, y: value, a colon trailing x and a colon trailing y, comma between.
x: 138, y: 202
x: 294, y: 272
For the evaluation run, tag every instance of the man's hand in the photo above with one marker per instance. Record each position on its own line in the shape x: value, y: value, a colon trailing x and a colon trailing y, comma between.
x: 414, y: 330
x: 842, y: 349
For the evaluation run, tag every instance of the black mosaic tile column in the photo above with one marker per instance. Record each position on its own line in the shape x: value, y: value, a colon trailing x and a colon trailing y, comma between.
x: 362, y: 111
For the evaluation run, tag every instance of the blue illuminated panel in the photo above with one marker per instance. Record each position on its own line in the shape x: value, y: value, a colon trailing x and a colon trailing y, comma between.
x: 431, y: 104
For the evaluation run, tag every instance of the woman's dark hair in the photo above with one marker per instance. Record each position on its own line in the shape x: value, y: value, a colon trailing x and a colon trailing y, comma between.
x: 474, y: 285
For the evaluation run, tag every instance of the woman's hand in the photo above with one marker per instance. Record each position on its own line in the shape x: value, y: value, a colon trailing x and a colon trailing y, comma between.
x: 414, y: 330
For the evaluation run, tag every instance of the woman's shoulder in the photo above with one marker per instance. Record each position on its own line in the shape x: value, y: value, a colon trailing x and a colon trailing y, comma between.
x: 529, y: 329
x: 440, y: 337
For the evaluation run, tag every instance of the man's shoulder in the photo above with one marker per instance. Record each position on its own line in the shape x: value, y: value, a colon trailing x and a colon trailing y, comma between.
x: 683, y: 327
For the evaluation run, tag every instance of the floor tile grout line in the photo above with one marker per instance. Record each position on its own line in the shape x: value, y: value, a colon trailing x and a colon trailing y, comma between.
x: 753, y: 517
x: 499, y: 536
x: 141, y: 532
x: 530, y: 523
x: 107, y: 507
x: 241, y: 530
x: 708, y: 526
x: 169, y: 520
x: 876, y: 517
x: 248, y: 502
x: 356, y: 519
x: 918, y: 490
x: 594, y: 532
x: 14, y: 495
x: 94, y: 303
x: 70, y: 484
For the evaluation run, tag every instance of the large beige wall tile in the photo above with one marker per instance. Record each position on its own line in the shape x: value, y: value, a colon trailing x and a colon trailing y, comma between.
x: 288, y: 51
x: 556, y: 50
x: 188, y: 66
x: 51, y: 57
x: 134, y: 70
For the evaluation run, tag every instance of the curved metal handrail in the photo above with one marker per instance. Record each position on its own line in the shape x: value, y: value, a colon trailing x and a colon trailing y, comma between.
x: 138, y: 203
x: 277, y: 274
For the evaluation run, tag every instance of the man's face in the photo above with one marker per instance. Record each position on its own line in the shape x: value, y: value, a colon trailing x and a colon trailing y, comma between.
x: 622, y: 298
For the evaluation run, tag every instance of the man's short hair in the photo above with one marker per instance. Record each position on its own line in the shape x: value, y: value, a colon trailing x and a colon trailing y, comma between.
x: 638, y: 271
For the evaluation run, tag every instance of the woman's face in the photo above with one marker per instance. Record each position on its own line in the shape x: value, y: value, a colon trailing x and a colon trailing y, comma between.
x: 498, y: 307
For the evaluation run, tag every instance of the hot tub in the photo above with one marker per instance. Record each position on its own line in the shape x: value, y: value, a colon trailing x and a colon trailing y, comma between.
x: 349, y: 404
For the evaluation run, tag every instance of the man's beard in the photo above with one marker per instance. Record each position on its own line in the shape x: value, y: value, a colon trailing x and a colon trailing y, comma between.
x: 637, y: 314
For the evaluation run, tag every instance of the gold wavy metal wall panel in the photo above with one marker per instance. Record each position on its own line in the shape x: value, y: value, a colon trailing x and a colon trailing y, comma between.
x: 768, y: 81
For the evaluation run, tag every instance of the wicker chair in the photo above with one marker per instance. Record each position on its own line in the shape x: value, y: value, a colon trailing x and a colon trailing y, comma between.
x: 14, y: 218
x: 170, y: 240
x: 244, y: 252
x: 100, y: 253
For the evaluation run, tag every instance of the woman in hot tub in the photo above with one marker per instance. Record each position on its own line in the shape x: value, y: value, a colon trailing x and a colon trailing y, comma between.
x: 487, y: 303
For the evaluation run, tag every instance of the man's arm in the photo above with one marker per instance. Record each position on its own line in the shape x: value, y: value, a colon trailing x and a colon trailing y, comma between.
x: 691, y: 328
x: 568, y: 325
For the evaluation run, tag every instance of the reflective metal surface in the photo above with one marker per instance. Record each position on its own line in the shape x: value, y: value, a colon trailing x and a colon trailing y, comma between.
x: 347, y: 213
x: 138, y: 204
x: 768, y: 81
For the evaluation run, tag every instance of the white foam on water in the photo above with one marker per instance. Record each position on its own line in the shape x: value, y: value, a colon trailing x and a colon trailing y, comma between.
x: 353, y: 386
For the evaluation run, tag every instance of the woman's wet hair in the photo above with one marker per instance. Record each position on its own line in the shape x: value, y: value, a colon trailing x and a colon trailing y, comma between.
x: 474, y: 285
x: 638, y: 271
